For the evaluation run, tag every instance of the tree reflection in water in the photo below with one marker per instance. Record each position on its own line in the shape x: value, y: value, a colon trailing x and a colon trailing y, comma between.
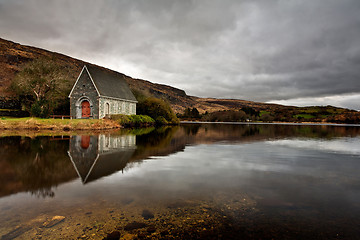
x: 37, y: 165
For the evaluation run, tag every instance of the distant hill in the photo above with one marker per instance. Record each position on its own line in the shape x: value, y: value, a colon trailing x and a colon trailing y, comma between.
x: 14, y: 55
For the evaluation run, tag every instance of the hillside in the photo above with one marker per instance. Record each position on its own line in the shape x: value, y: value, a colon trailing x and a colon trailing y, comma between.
x: 14, y: 55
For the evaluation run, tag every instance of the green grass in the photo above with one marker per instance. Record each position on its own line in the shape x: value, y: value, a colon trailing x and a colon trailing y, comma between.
x: 8, y: 110
x: 263, y: 113
x: 306, y: 116
x: 13, y: 119
x: 315, y: 110
x: 56, y: 124
x: 309, y: 110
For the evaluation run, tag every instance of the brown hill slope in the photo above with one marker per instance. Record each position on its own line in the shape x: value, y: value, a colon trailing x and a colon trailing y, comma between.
x: 14, y: 55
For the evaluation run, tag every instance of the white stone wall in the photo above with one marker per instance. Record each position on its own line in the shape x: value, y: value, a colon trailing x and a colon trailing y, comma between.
x: 115, y: 107
x: 132, y: 107
x: 108, y: 143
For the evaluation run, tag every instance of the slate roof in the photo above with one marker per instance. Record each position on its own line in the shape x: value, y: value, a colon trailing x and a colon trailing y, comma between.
x: 110, y: 84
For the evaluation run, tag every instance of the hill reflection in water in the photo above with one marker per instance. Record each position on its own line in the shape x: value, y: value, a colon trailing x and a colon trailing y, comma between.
x: 37, y: 164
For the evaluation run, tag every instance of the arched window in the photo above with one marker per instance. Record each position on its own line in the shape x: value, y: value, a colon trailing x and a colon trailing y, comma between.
x: 107, y: 108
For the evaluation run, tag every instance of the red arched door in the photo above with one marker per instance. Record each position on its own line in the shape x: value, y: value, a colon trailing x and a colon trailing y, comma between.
x: 85, y: 109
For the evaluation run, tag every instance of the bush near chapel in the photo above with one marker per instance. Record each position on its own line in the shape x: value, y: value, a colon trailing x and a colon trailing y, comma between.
x: 158, y: 109
x: 133, y: 120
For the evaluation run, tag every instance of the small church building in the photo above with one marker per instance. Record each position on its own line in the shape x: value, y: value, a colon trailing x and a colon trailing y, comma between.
x: 99, y: 92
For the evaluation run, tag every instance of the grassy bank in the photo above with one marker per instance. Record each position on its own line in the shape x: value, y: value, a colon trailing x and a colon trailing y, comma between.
x: 42, y: 124
x: 57, y: 124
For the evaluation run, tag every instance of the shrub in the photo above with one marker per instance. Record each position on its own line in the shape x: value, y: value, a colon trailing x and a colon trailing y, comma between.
x: 266, y: 117
x: 40, y: 109
x: 161, y: 121
x: 190, y: 113
x: 120, y: 118
x: 155, y: 108
x: 133, y: 120
x: 226, y: 116
x: 140, y: 119
x: 250, y: 111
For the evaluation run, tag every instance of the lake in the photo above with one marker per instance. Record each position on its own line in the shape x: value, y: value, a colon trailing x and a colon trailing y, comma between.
x: 193, y: 181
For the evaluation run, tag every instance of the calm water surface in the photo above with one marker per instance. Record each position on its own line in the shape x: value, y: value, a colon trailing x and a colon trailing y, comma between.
x: 210, y: 181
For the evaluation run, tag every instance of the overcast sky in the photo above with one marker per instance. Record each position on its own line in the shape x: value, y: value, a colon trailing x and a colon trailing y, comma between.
x: 299, y: 52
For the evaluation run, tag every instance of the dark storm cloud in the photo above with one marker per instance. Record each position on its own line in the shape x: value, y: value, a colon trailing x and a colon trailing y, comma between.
x: 257, y: 50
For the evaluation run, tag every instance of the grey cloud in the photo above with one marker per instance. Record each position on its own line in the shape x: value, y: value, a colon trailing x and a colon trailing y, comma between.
x: 256, y: 50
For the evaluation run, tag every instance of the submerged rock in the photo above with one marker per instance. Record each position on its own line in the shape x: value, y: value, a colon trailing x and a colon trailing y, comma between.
x: 52, y: 222
x: 127, y: 201
x: 115, y: 235
x: 147, y: 214
x: 15, y: 233
x: 151, y: 229
x: 134, y: 225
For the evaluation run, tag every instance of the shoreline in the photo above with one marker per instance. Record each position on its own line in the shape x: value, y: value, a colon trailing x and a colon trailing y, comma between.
x: 83, y: 126
x: 276, y: 123
x: 64, y: 127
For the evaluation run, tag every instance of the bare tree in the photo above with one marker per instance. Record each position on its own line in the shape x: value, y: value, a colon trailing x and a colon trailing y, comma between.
x: 41, y: 84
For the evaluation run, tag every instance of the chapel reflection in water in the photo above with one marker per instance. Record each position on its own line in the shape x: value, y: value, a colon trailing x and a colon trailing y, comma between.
x: 101, y: 155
